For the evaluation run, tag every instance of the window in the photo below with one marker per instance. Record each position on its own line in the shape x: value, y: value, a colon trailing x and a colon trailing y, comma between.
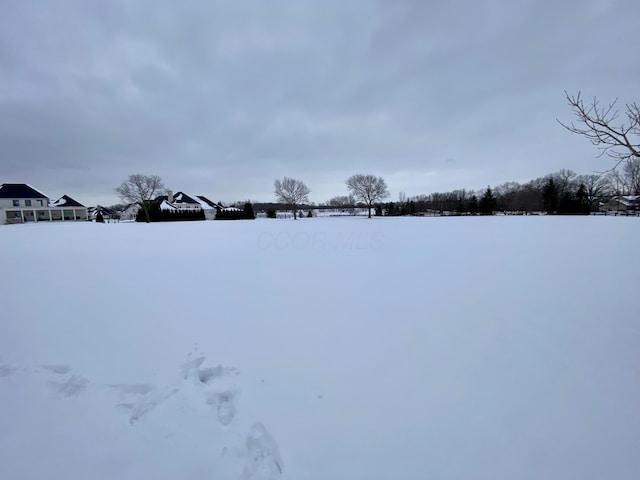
x: 39, y: 203
x: 27, y: 203
x: 16, y: 203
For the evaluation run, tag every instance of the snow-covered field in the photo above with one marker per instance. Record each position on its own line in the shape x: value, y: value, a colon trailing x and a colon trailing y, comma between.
x: 321, y: 349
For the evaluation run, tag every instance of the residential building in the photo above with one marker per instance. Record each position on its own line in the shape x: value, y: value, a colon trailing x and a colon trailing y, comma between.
x: 21, y: 203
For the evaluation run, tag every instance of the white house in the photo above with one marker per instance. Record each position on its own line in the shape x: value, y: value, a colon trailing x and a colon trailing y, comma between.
x: 182, y: 201
x: 130, y: 212
x: 21, y: 203
x: 622, y: 203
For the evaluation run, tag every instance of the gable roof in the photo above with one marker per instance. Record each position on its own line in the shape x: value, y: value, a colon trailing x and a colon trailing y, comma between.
x: 20, y: 190
x: 66, y: 201
x: 164, y: 205
x: 181, y: 197
x: 205, y: 201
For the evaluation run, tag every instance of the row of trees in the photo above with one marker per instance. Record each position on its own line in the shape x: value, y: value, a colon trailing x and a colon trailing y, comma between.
x: 562, y: 192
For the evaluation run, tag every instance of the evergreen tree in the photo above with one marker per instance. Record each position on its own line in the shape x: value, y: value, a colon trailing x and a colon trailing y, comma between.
x: 488, y: 202
x: 248, y: 211
x: 411, y: 206
x: 271, y: 213
x: 391, y: 209
x: 550, y: 196
x: 99, y: 217
x: 582, y: 200
x: 378, y: 212
x: 567, y: 204
x: 473, y: 205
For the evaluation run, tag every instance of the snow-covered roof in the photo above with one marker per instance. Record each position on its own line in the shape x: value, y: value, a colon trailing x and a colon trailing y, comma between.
x: 66, y: 201
x: 166, y: 206
x: 182, y: 197
x: 206, y: 203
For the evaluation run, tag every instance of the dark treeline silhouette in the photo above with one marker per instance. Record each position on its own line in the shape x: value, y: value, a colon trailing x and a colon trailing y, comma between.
x: 245, y: 214
x: 563, y: 192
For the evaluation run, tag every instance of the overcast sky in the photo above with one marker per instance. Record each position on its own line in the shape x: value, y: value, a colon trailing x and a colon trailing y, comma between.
x: 220, y: 98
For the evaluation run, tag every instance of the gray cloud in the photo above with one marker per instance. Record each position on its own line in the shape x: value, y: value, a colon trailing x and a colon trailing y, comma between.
x: 223, y: 97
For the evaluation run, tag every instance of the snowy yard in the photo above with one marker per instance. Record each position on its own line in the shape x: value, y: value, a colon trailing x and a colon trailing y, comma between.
x: 322, y: 349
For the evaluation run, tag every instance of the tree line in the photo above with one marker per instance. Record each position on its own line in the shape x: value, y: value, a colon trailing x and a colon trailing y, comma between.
x: 563, y: 192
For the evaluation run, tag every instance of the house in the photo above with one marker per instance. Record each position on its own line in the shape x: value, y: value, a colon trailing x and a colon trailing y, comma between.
x: 622, y: 203
x: 107, y: 213
x: 183, y: 201
x: 130, y: 212
x: 21, y: 203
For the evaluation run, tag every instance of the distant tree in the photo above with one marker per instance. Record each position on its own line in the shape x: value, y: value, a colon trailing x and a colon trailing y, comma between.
x: 595, y: 187
x: 291, y: 192
x: 271, y: 213
x: 488, y: 202
x: 248, y: 211
x: 567, y: 204
x: 367, y: 188
x: 550, y: 196
x: 310, y: 214
x: 631, y: 172
x: 391, y: 210
x: 620, y: 141
x: 583, y: 203
x: 141, y: 189
x: 99, y: 217
x: 378, y: 212
x: 473, y: 205
x: 341, y: 201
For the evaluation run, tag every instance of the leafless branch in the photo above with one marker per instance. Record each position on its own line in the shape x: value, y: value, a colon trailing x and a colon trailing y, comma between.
x: 599, y: 124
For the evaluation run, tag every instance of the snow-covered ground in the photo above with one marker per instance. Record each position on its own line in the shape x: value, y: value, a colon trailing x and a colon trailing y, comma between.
x: 321, y: 349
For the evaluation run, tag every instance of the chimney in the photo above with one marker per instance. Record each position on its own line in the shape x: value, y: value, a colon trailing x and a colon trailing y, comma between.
x: 169, y: 196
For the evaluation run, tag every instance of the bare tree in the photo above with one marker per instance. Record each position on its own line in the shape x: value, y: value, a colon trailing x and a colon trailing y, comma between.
x: 617, y: 183
x: 600, y: 125
x: 595, y: 186
x: 631, y: 171
x: 564, y: 180
x: 291, y: 192
x: 367, y: 188
x: 141, y: 189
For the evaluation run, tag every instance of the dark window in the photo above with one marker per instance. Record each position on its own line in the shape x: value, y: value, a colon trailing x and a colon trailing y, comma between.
x: 39, y: 203
x: 27, y: 203
x: 16, y: 203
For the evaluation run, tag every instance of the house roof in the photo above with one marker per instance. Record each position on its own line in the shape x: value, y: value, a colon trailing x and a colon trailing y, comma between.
x: 164, y: 205
x: 66, y: 201
x: 20, y: 190
x: 99, y: 208
x: 206, y: 202
x: 181, y: 197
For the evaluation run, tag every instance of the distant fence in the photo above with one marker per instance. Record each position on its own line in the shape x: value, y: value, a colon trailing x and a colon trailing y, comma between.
x: 621, y: 213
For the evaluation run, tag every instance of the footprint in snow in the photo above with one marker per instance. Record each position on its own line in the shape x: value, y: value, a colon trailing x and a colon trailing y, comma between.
x: 263, y: 460
x: 6, y: 370
x: 65, y: 383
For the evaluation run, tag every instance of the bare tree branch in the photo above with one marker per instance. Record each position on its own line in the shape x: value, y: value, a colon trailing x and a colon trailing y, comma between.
x: 600, y: 126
